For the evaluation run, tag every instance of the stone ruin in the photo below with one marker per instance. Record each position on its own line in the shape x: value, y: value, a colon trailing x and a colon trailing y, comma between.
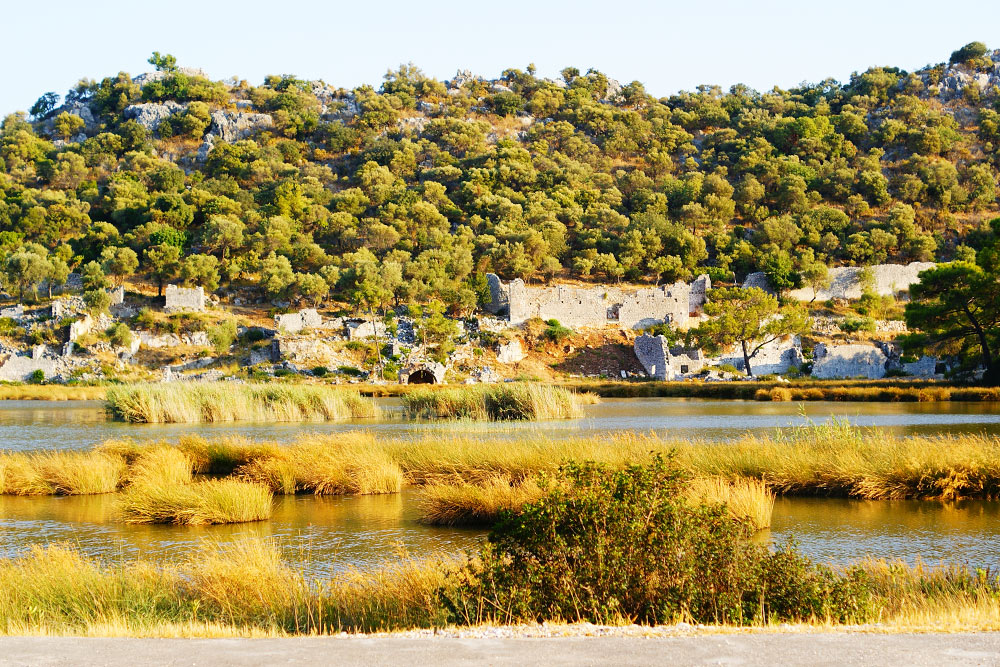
x: 510, y: 352
x: 13, y: 312
x: 599, y: 305
x: 774, y: 358
x: 426, y: 372
x: 180, y: 299
x: 663, y: 362
x: 845, y: 281
x: 296, y: 322
x: 848, y: 361
x: 871, y: 361
x: 361, y: 329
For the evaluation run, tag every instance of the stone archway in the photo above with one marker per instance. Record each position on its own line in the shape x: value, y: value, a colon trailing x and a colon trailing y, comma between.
x: 421, y: 376
x: 422, y: 373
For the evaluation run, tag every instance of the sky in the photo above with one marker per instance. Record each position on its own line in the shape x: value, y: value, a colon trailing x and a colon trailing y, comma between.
x: 668, y: 46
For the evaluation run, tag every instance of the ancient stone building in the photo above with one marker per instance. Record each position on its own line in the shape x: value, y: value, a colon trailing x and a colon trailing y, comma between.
x: 848, y: 361
x: 296, y: 322
x: 845, y: 281
x: 663, y: 362
x: 599, y: 305
x: 179, y: 299
x: 428, y: 372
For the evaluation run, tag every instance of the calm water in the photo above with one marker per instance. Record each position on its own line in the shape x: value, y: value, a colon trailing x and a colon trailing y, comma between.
x: 81, y: 424
x: 326, y: 534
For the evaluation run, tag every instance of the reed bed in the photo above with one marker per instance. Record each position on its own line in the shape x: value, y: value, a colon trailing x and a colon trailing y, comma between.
x: 746, y: 499
x: 59, y: 473
x: 214, y: 501
x: 192, y: 402
x: 240, y: 589
x: 51, y: 392
x: 499, y: 402
x: 245, y: 589
x: 833, y: 459
x: 462, y: 503
x: 884, y: 391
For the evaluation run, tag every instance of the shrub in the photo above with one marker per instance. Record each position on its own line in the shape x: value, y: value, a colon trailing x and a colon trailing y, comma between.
x: 320, y: 371
x: 98, y: 301
x: 608, y: 545
x: 556, y: 332
x: 37, y: 376
x: 855, y: 324
x: 222, y: 336
x: 120, y: 335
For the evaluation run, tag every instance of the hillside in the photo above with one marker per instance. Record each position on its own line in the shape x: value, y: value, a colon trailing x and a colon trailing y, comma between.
x: 413, y: 191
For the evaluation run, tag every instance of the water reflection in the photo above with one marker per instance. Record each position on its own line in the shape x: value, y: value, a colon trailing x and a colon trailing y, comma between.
x: 319, y: 534
x: 81, y: 424
x: 841, y: 531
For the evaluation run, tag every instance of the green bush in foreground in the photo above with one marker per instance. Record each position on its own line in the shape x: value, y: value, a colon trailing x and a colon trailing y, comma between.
x: 606, y: 545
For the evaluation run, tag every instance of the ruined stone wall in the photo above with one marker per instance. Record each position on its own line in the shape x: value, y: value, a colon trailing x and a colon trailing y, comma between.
x: 599, y: 305
x: 663, y: 362
x: 775, y: 358
x: 848, y: 361
x: 845, y: 281
x: 296, y: 322
x: 499, y: 295
x: 183, y: 298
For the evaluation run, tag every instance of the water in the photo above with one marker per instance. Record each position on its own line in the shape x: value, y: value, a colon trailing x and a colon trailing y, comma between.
x: 841, y: 531
x: 319, y: 534
x: 82, y: 424
x: 325, y: 534
x: 322, y: 535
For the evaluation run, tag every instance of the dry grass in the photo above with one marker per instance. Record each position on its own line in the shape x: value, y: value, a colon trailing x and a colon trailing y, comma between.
x: 192, y: 402
x: 246, y: 590
x: 241, y: 589
x: 201, y: 503
x: 499, y: 402
x: 481, y: 503
x: 59, y: 473
x: 355, y: 466
x: 50, y: 392
x: 746, y: 499
x: 462, y: 503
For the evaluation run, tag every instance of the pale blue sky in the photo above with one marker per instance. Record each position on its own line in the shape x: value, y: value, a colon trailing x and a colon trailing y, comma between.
x: 669, y: 46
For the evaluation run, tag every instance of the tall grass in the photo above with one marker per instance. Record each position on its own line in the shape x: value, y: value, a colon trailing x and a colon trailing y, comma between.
x: 885, y: 391
x: 241, y: 589
x: 747, y: 499
x: 190, y: 402
x: 201, y: 503
x: 464, y: 503
x: 51, y: 392
x: 59, y: 473
x: 832, y: 459
x: 499, y: 402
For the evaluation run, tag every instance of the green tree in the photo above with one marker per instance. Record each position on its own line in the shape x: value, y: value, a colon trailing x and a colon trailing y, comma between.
x: 119, y: 262
x: 276, y: 275
x: 749, y: 317
x: 93, y: 277
x: 164, y: 263
x: 163, y: 63
x: 959, y: 302
x: 201, y: 270
x: 26, y: 268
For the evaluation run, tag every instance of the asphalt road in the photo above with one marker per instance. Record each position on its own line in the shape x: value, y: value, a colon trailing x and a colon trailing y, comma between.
x: 756, y: 649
